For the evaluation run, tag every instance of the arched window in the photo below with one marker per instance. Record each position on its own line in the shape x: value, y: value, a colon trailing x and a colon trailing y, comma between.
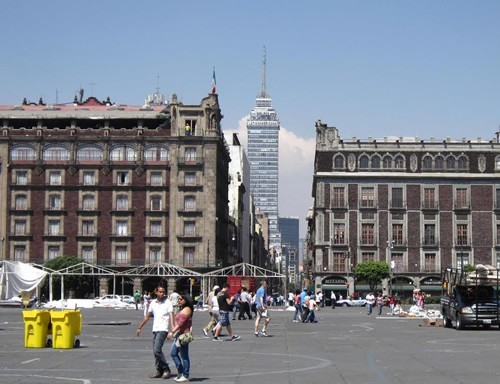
x: 497, y: 163
x: 156, y: 153
x: 462, y: 162
x: 122, y: 153
x: 22, y: 152
x: 89, y: 153
x: 399, y: 162
x: 439, y: 163
x: 338, y: 162
x: 55, y: 153
x: 363, y: 162
x: 450, y: 162
x: 387, y: 162
x: 376, y: 162
x: 427, y: 163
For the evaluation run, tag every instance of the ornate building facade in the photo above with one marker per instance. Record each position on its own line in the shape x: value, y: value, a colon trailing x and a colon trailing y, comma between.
x: 115, y: 185
x: 419, y: 205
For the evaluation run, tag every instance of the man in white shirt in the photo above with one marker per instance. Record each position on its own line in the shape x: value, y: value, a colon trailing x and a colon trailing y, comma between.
x: 163, y: 319
x: 370, y: 300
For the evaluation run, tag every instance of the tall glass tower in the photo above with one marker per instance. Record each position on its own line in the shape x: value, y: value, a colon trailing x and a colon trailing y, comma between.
x: 263, y: 129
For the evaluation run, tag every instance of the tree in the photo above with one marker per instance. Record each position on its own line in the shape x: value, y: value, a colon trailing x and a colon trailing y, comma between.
x: 80, y: 285
x: 373, y: 272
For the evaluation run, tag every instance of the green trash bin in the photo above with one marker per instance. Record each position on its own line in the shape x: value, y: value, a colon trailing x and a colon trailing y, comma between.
x: 66, y: 325
x: 36, y: 326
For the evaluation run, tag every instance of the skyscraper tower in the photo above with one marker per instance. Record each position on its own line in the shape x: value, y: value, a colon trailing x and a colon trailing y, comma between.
x: 263, y: 153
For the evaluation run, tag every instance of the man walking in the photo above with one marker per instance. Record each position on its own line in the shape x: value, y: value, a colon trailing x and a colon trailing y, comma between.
x: 370, y: 300
x: 224, y: 302
x: 261, y: 306
x: 163, y: 319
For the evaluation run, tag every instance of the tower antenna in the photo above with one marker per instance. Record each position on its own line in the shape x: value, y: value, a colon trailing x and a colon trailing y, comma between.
x: 263, y: 92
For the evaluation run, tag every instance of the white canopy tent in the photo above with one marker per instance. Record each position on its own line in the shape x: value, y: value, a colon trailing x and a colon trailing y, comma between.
x: 17, y: 277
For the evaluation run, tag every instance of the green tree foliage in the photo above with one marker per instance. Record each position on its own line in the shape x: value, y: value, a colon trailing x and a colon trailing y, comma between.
x: 373, y: 272
x: 80, y: 285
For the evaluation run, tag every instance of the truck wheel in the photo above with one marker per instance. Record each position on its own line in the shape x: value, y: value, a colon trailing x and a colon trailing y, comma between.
x: 460, y: 323
x: 447, y: 322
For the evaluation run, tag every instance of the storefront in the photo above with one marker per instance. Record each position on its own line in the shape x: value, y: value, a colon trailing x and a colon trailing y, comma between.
x: 432, y: 285
x: 337, y: 284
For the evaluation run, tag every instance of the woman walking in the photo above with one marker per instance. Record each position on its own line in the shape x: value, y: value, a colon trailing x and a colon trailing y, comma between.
x: 183, y: 323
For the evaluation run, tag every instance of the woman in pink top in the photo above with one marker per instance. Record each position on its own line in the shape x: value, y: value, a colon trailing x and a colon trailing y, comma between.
x: 183, y: 323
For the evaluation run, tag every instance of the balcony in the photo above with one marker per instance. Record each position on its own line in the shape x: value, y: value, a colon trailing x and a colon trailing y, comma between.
x: 339, y: 205
x: 397, y: 205
x: 461, y: 206
x: 190, y: 213
x: 190, y: 187
x: 189, y: 238
x: 429, y: 205
x: 59, y: 236
x: 367, y: 204
x: 430, y: 243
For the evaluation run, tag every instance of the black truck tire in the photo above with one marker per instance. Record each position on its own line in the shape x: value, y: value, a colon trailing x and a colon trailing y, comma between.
x: 460, y: 325
x: 446, y: 322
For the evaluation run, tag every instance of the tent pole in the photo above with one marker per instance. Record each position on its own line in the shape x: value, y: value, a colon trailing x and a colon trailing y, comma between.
x: 50, y: 288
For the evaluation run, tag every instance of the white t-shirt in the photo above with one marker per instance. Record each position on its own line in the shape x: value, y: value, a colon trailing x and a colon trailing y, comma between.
x: 215, y: 304
x: 174, y: 297
x: 161, y: 314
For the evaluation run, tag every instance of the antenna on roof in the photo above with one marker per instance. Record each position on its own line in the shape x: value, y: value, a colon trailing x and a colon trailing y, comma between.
x: 263, y: 92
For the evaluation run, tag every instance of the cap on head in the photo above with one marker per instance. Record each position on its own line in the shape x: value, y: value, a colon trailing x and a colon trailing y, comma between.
x: 216, y: 287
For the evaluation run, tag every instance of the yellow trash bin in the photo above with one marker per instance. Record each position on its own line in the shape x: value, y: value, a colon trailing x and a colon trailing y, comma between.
x: 36, y: 325
x: 65, y: 325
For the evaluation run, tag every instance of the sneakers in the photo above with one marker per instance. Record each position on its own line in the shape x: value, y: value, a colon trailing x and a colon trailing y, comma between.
x: 263, y: 333
x: 235, y: 337
x: 257, y: 334
x: 205, y: 332
x: 166, y: 374
x: 156, y: 375
x: 181, y: 379
x: 215, y: 338
x: 295, y: 321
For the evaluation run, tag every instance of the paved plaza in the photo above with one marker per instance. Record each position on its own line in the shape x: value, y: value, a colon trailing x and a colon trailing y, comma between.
x: 346, y: 346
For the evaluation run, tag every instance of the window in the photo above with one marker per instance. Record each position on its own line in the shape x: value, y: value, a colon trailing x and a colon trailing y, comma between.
x: 462, y: 163
x: 497, y: 198
x: 338, y: 233
x: 397, y: 197
x: 121, y: 255
x: 497, y: 163
x: 439, y: 163
x: 88, y: 203
x: 429, y: 234
x: 387, y: 162
x: 429, y: 198
x: 376, y: 162
x: 397, y: 234
x: 122, y: 203
x: 462, y: 234
x: 53, y: 252
x: 20, y: 253
x: 54, y: 227
x: 89, y: 153
x: 122, y: 178
x: 20, y: 227
x: 89, y: 178
x: 338, y: 162
x: 54, y: 202
x: 154, y: 254
x: 21, y: 178
x: 367, y: 197
x: 55, y: 153
x: 430, y: 262
x: 450, y: 162
x: 338, y: 197
x: 121, y: 228
x: 190, y: 154
x: 156, y: 179
x: 397, y: 258
x: 188, y: 256
x: 88, y: 228
x: 190, y: 178
x: 21, y: 202
x: 22, y: 152
x: 367, y: 234
x: 190, y: 127
x: 155, y: 228
x: 189, y: 229
x: 189, y: 203
x: 88, y: 253
x: 339, y: 264
x: 156, y: 203
x: 122, y: 153
x: 399, y: 162
x: 427, y: 163
x: 462, y: 258
x: 367, y: 256
x: 363, y: 162
x: 55, y: 178
x: 156, y: 153
x: 461, y: 200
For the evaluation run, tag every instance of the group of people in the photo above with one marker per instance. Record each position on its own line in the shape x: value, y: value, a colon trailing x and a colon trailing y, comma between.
x: 306, y: 305
x: 379, y: 302
x: 173, y: 319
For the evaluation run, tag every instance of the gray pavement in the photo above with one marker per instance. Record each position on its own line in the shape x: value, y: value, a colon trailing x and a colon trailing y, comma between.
x: 346, y: 346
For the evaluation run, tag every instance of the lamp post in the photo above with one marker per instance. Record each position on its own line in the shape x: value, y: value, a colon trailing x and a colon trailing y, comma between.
x: 390, y: 245
x: 347, y: 257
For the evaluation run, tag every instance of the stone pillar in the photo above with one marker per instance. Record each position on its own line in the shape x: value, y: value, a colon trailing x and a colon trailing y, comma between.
x: 137, y: 285
x: 171, y: 285
x: 103, y: 286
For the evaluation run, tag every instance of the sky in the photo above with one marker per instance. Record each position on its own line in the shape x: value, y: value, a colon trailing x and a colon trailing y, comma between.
x: 370, y: 68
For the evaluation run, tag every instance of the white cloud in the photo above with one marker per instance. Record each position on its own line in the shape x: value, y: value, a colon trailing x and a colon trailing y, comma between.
x: 296, y: 168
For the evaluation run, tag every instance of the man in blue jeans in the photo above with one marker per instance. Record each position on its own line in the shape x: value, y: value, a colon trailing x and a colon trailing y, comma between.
x: 163, y: 319
x: 370, y: 300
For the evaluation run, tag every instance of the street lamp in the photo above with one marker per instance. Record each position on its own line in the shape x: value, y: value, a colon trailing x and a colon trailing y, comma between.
x: 347, y: 257
x: 390, y: 245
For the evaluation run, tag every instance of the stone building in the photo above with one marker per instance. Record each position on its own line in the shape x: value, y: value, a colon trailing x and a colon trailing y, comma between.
x: 115, y: 185
x: 419, y: 205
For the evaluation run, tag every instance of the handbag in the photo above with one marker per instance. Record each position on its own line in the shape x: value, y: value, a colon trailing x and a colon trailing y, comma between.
x: 186, y: 338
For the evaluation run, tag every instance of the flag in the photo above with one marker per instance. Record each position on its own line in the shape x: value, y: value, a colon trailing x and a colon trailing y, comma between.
x: 214, y: 83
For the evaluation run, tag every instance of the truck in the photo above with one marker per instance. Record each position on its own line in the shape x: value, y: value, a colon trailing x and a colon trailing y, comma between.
x: 470, y: 298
